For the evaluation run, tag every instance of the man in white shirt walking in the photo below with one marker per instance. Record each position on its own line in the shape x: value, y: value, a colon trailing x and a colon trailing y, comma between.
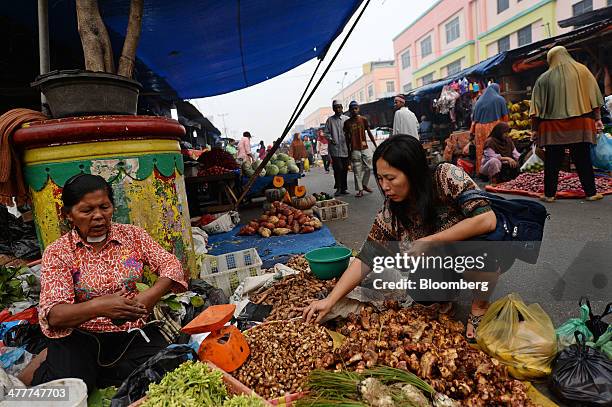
x: 404, y: 121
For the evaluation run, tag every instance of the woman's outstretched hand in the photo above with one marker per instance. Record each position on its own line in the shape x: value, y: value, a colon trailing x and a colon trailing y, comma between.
x: 316, y: 310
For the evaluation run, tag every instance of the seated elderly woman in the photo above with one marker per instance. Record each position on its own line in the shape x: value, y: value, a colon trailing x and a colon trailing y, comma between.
x: 500, y: 160
x: 89, y: 305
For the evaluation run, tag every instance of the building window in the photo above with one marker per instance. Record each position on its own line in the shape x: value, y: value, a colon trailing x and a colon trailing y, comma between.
x: 453, y: 68
x: 426, y: 47
x: 406, y: 60
x: 408, y: 87
x: 503, y: 44
x: 583, y: 6
x: 524, y: 36
x: 502, y: 5
x: 370, y: 91
x: 452, y: 30
x: 390, y: 86
x: 361, y: 99
x: 427, y: 79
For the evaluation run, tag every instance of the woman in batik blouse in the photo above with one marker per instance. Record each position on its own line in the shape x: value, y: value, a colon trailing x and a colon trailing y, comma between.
x: 421, y: 209
x: 89, y: 306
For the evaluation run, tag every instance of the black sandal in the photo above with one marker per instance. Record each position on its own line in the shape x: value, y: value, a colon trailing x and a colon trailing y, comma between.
x: 475, y: 321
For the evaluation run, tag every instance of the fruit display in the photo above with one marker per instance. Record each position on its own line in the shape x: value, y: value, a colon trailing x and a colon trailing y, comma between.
x: 214, y: 170
x: 284, y: 163
x: 217, y: 157
x: 275, y: 194
x: 518, y: 114
x: 520, y: 135
x: 281, y: 219
x: 323, y: 196
x: 304, y: 202
x: 248, y: 169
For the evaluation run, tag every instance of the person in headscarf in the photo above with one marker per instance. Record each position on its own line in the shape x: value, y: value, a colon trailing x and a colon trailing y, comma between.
x: 565, y: 114
x: 500, y: 160
x: 323, y: 144
x: 489, y: 110
x: 261, y: 151
x: 297, y: 150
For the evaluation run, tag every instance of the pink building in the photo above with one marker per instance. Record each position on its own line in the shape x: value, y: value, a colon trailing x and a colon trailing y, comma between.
x: 455, y: 34
x: 318, y: 117
x: 378, y: 80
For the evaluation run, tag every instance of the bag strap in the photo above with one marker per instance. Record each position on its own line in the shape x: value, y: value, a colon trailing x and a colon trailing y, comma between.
x: 608, y: 310
x: 580, y: 341
x: 588, y: 304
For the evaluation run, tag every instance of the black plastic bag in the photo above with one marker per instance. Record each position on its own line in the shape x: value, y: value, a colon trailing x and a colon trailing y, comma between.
x: 595, y: 323
x: 17, y: 238
x: 137, y: 384
x: 28, y: 335
x: 582, y: 374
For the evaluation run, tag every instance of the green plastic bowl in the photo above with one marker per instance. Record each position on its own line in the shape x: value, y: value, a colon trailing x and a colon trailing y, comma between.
x: 328, y: 262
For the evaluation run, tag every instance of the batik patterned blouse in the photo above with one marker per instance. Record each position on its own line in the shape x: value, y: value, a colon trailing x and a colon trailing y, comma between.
x: 72, y: 272
x: 449, y: 182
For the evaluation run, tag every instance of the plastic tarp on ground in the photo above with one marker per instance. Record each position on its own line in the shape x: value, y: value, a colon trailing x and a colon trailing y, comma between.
x: 273, y: 249
x: 480, y: 69
x: 205, y: 48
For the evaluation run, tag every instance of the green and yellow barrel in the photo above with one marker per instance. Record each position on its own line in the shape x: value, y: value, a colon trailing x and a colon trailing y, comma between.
x: 138, y: 155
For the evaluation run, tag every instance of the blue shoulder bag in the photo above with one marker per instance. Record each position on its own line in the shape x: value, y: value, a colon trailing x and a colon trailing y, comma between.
x: 520, y: 222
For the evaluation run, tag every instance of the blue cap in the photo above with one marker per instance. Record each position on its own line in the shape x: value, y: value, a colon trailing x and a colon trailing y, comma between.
x: 353, y: 103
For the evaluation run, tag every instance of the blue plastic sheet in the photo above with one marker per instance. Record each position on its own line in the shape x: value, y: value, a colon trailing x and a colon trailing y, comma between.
x: 273, y: 249
x: 204, y: 48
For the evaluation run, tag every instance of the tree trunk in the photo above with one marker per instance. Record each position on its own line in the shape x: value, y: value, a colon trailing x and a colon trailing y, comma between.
x: 94, y: 37
x: 132, y: 36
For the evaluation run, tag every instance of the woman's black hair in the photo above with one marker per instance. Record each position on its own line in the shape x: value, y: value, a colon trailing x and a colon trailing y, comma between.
x: 407, y: 155
x: 79, y: 185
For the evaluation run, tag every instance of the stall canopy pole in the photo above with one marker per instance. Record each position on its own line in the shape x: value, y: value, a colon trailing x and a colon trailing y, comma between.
x: 43, y: 45
x: 300, y: 108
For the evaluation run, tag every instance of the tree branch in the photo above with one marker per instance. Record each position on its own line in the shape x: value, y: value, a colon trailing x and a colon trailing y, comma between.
x: 132, y: 36
x: 94, y: 37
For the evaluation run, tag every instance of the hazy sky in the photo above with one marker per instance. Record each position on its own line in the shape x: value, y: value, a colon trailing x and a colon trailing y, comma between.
x: 264, y: 109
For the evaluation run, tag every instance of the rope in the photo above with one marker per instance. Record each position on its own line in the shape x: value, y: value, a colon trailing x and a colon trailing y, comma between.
x: 299, y: 109
x: 114, y: 362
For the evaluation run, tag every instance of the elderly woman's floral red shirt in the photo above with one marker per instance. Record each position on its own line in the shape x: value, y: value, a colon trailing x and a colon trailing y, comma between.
x: 72, y: 272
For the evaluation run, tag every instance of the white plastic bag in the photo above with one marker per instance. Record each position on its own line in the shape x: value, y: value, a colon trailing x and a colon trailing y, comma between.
x: 223, y: 223
x: 533, y: 163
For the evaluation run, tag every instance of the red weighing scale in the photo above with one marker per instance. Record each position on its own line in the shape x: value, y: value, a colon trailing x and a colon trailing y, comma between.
x: 225, y: 346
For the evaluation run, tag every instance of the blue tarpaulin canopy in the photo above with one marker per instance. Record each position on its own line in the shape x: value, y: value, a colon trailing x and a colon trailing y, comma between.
x: 479, y: 69
x: 205, y: 48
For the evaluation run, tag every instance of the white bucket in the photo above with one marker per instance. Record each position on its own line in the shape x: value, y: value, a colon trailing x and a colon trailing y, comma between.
x: 77, y: 394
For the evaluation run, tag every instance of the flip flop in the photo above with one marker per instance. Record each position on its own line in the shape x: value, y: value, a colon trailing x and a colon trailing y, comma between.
x: 359, y: 194
x: 595, y: 197
x: 367, y: 189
